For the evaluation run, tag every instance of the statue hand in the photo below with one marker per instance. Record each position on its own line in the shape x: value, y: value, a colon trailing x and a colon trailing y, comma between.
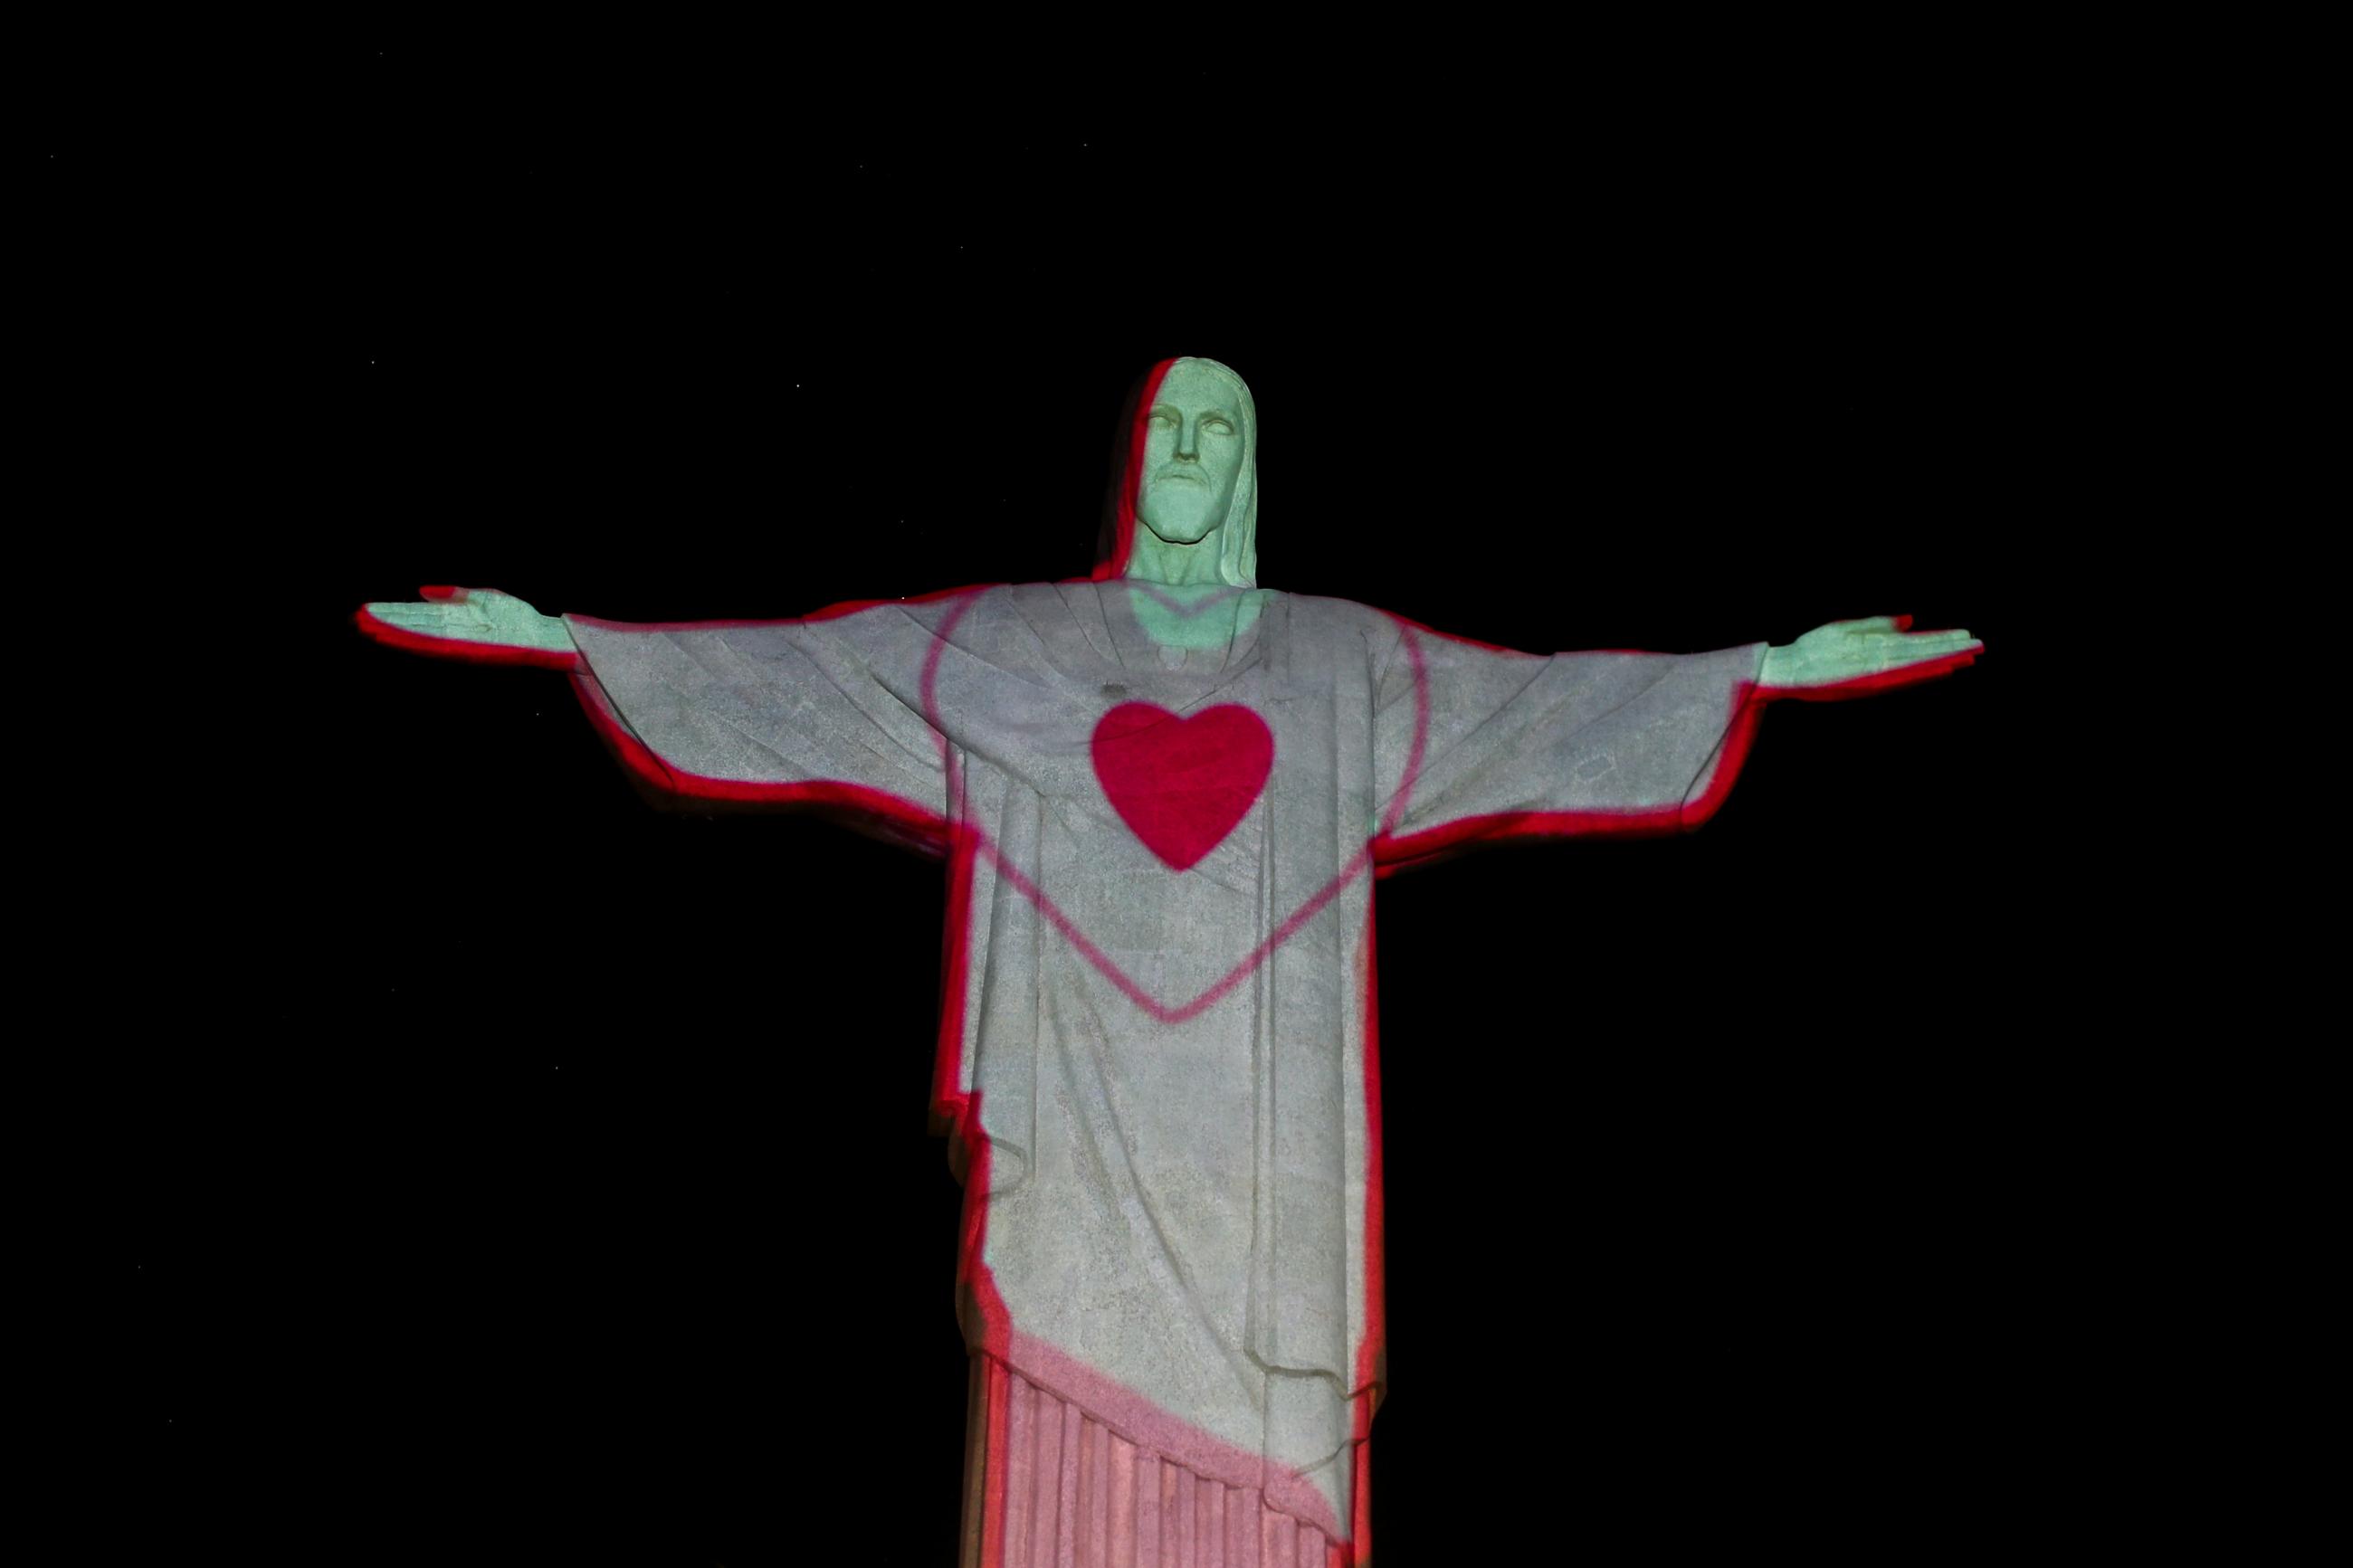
x: 481, y: 618
x: 1854, y: 656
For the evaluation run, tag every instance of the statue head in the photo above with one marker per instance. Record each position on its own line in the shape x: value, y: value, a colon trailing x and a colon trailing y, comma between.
x: 1190, y: 472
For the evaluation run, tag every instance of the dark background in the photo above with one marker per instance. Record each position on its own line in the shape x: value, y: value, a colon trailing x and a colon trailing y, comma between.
x: 464, y: 1217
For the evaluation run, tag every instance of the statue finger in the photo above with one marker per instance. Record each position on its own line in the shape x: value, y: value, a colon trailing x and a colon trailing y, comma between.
x: 1912, y: 645
x: 1871, y: 623
x: 454, y: 622
x: 1935, y: 645
x: 406, y: 616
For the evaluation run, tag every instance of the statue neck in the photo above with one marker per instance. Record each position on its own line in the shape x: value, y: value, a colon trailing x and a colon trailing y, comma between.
x: 1152, y: 559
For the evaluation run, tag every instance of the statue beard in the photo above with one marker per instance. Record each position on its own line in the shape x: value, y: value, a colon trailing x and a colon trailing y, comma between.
x: 1181, y: 520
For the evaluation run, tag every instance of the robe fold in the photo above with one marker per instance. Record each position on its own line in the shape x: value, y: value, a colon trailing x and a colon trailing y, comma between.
x: 1157, y: 1036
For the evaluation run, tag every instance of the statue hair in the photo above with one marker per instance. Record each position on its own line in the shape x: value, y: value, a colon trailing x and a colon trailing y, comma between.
x: 1238, y: 539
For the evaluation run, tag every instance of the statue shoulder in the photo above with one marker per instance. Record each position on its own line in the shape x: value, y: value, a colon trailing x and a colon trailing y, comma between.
x: 1338, y: 615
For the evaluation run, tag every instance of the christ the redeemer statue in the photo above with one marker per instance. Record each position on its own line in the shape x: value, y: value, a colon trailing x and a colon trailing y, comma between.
x: 1163, y: 793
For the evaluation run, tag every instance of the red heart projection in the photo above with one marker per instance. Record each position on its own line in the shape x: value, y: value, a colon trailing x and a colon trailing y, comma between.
x: 1180, y: 784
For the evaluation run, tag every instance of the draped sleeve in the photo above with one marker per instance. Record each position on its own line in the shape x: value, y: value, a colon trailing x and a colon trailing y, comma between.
x: 825, y: 711
x: 1489, y: 743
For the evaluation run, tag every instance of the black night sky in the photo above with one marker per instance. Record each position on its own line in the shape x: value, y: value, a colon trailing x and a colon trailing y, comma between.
x: 461, y: 1218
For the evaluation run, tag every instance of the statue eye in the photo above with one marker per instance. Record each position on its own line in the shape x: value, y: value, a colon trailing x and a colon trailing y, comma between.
x: 1220, y: 427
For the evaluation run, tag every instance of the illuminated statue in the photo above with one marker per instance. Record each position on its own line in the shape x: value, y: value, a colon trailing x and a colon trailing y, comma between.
x: 1163, y: 793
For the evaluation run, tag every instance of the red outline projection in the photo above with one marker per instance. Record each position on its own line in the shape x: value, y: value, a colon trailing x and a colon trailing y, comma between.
x: 958, y: 1114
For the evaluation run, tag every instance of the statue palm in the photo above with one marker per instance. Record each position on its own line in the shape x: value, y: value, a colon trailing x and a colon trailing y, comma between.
x: 479, y: 615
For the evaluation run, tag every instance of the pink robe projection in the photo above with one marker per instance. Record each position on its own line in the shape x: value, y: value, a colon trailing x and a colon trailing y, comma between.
x: 1158, y: 1054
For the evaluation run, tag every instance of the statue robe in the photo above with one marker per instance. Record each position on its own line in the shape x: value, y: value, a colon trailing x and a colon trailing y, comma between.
x: 1162, y: 1080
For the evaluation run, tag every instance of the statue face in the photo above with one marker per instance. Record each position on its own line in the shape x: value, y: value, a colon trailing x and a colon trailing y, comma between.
x: 1192, y: 452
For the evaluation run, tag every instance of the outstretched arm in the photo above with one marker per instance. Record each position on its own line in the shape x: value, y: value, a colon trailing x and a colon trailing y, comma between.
x: 828, y: 710
x: 1486, y: 744
x: 1853, y: 658
x: 476, y: 623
